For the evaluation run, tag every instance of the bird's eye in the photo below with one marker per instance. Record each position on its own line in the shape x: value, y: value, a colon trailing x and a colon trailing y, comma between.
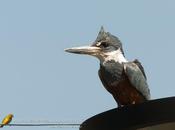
x: 104, y: 44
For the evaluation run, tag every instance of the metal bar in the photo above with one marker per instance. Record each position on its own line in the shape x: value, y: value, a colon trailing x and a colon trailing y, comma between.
x: 48, y: 124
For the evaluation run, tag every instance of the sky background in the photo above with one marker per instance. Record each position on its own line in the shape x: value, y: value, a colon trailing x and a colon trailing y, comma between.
x: 41, y: 83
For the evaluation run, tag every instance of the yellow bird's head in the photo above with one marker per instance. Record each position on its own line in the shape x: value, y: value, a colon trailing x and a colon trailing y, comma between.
x: 10, y: 115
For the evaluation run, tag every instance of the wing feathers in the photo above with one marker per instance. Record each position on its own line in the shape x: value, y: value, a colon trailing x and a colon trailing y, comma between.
x: 137, y: 78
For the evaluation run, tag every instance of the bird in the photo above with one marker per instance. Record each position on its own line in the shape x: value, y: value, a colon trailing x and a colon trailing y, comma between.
x: 6, y: 120
x: 125, y: 80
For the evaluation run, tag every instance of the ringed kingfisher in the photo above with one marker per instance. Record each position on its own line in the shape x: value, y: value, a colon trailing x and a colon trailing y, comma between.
x: 125, y: 80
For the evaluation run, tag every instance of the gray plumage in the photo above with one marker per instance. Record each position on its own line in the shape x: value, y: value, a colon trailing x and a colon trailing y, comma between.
x: 137, y: 78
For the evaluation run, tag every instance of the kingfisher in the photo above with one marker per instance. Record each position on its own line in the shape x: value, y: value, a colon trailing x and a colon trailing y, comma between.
x: 125, y: 80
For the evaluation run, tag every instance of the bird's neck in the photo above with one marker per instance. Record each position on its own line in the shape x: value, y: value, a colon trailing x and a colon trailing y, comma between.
x: 116, y: 56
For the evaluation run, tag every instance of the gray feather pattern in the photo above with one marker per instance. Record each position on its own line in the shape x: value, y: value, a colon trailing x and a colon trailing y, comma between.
x: 137, y: 78
x: 137, y: 62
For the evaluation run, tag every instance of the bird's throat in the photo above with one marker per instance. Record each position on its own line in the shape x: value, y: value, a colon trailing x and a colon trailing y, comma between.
x: 116, y: 56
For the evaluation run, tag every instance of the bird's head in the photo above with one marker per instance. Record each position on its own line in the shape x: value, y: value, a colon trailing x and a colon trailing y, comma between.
x: 105, y: 47
x: 11, y: 115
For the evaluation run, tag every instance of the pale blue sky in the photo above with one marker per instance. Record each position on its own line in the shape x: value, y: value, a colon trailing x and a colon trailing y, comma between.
x: 39, y: 81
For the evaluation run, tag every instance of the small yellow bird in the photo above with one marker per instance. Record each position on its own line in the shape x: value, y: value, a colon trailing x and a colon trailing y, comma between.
x: 6, y: 120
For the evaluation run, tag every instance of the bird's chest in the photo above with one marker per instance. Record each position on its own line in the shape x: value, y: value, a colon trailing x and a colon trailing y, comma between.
x: 111, y: 75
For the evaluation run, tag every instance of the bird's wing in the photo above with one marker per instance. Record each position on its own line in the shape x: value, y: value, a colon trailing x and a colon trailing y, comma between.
x: 137, y: 62
x: 6, y: 120
x: 137, y: 78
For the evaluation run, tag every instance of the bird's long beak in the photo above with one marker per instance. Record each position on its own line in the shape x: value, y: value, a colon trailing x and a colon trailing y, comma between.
x: 88, y: 50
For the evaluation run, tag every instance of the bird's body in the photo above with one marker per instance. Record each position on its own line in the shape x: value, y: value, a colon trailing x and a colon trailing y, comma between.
x: 6, y: 120
x: 125, y: 80
x: 115, y: 80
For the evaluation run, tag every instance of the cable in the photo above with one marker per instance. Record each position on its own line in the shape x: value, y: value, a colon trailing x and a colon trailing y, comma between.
x: 46, y: 124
